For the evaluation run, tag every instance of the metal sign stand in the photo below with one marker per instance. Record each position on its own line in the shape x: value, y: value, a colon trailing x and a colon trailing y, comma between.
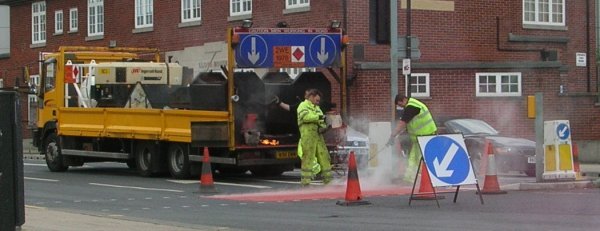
x: 423, y: 195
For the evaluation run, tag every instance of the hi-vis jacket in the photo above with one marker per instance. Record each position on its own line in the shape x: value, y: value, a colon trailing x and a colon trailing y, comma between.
x: 421, y: 124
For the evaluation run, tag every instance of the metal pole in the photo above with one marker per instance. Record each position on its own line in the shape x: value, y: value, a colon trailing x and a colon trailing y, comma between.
x: 539, y: 136
x: 408, y: 43
x: 393, y: 53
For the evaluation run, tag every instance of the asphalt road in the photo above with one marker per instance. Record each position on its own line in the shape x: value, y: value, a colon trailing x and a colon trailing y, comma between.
x: 110, y: 189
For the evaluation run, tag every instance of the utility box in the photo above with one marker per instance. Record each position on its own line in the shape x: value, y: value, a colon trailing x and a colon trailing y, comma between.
x: 12, y: 205
x: 558, y: 151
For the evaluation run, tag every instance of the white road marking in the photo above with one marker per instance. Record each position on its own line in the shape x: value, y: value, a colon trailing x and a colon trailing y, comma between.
x: 40, y: 179
x: 219, y: 183
x: 134, y: 187
x: 242, y: 185
x: 30, y: 164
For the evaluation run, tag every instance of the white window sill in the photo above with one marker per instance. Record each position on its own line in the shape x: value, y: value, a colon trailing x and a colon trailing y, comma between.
x: 94, y: 37
x: 59, y: 33
x: 545, y: 27
x: 239, y: 17
x: 73, y: 31
x: 296, y: 10
x: 37, y: 45
x: 190, y: 24
x: 142, y: 30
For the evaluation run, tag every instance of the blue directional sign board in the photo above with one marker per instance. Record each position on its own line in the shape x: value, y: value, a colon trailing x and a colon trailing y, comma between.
x: 562, y: 131
x: 288, y: 47
x: 447, y: 160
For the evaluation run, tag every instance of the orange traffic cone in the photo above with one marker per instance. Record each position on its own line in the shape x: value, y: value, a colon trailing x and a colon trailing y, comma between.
x: 491, y: 185
x: 425, y: 187
x: 207, y: 184
x: 353, y: 193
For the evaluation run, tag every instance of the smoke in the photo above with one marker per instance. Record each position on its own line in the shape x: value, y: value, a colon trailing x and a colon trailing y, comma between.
x: 384, y: 164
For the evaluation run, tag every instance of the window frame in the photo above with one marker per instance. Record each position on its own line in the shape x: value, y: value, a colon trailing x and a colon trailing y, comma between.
x: 241, y: 4
x: 38, y: 22
x: 98, y: 15
x: 59, y: 19
x: 191, y: 10
x: 297, y: 4
x: 498, y: 84
x: 144, y: 11
x: 536, y: 13
x: 427, y: 85
x: 73, y: 20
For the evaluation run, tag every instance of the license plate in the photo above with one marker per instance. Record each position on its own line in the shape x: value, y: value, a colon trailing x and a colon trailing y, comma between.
x: 285, y: 155
x: 531, y: 159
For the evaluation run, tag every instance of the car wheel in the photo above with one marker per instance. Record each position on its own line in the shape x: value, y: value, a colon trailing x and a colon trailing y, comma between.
x: 54, y: 157
x: 178, y: 161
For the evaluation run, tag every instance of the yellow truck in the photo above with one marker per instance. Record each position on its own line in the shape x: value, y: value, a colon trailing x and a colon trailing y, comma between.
x: 126, y: 105
x: 100, y: 104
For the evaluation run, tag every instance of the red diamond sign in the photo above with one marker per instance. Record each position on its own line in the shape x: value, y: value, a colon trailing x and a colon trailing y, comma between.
x: 298, y: 53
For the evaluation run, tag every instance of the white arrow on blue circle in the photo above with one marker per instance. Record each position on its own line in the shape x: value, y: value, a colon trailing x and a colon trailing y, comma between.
x: 442, y: 168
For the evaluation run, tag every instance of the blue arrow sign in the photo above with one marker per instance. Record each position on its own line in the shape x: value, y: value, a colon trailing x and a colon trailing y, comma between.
x: 563, y: 131
x: 447, y: 160
x: 306, y: 47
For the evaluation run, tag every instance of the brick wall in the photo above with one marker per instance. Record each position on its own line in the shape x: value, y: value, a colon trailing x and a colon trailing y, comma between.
x: 469, y: 34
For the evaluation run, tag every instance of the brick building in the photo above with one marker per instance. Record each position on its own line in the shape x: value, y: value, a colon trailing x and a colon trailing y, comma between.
x: 478, y: 59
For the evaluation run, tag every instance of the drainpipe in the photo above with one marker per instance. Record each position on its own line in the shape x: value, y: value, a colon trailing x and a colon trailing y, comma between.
x: 587, y: 44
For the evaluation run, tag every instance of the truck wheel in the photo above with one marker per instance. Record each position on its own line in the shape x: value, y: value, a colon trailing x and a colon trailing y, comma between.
x: 54, y: 158
x: 145, y: 152
x: 178, y: 161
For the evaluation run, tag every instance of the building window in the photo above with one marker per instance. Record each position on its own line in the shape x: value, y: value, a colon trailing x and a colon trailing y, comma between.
x: 240, y: 7
x: 419, y: 84
x: 58, y: 22
x: 73, y: 21
x: 190, y: 10
x: 143, y: 13
x: 289, y: 4
x: 95, y: 17
x: 38, y: 22
x: 544, y: 12
x: 498, y: 84
x: 379, y: 26
x: 1, y: 83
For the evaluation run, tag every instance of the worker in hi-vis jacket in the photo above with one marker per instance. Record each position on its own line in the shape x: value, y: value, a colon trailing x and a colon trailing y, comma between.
x: 311, y: 123
x: 417, y: 121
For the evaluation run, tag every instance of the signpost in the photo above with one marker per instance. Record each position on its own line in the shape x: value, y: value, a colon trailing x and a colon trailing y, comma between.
x: 288, y: 47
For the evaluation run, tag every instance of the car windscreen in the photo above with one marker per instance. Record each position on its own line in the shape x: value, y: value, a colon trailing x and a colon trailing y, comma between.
x: 470, y: 127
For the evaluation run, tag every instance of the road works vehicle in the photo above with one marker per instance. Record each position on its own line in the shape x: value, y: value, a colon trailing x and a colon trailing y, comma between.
x: 126, y: 105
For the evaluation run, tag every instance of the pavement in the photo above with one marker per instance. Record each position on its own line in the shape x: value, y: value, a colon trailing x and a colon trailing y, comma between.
x: 44, y: 219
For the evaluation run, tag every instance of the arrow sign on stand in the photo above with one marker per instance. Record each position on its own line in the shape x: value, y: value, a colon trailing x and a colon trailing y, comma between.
x: 447, y: 160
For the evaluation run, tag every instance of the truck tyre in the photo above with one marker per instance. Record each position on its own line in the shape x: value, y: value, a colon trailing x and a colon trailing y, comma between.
x: 178, y: 161
x: 144, y: 153
x: 54, y: 158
